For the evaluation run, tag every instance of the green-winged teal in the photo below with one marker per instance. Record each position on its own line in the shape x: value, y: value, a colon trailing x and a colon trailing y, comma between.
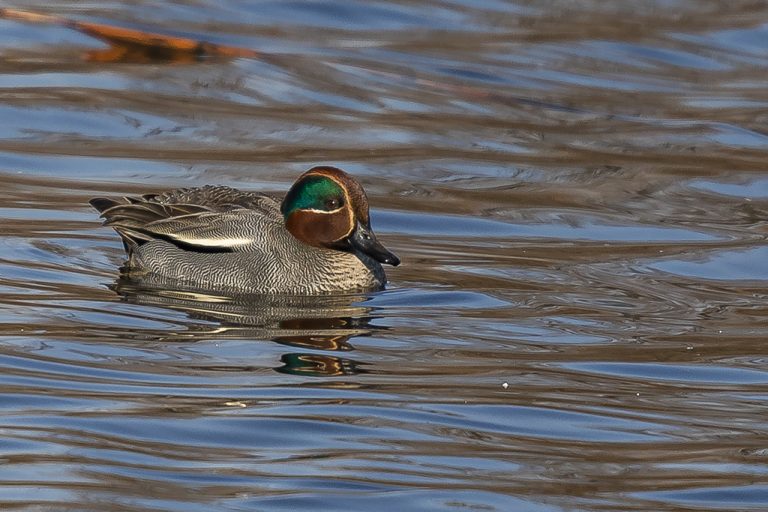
x: 317, y: 240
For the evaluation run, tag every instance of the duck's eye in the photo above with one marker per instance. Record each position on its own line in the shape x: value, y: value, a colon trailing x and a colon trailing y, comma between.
x: 333, y: 204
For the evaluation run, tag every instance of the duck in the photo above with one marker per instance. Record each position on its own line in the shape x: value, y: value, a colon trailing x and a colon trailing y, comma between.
x: 316, y: 240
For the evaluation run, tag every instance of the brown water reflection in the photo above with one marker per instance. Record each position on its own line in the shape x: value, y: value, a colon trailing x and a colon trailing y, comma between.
x: 579, y: 194
x: 324, y: 323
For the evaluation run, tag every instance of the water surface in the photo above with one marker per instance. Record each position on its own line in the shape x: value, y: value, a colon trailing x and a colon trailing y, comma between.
x: 577, y: 191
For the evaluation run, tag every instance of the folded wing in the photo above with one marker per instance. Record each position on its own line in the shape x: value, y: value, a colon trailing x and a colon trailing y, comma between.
x: 213, y: 227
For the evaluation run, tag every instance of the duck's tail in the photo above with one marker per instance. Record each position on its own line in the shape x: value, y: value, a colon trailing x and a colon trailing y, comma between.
x: 129, y: 215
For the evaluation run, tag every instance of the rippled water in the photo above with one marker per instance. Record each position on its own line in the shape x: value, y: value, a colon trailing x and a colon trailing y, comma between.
x: 579, y: 194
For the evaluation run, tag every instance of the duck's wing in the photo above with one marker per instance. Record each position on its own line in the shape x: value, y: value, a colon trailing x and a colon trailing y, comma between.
x: 207, y: 219
x: 229, y: 231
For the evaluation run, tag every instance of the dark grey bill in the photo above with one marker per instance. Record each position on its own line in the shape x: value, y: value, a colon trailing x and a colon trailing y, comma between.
x: 365, y: 241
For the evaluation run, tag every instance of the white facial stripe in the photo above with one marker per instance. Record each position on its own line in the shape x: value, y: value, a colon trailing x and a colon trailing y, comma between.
x: 323, y: 211
x: 347, y: 199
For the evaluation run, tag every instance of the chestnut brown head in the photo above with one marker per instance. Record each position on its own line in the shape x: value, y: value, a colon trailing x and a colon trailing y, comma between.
x: 328, y: 208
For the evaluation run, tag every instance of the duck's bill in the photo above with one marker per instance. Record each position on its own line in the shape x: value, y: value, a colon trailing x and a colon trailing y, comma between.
x: 365, y: 241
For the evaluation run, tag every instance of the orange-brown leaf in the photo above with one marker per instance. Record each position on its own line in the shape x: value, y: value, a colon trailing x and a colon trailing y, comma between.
x: 163, y: 47
x: 129, y: 45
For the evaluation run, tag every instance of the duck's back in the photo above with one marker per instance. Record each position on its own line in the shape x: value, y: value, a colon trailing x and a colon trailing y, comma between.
x: 219, y: 198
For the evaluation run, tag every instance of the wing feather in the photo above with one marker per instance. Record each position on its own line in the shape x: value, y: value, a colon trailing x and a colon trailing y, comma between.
x: 211, y: 231
x: 206, y: 219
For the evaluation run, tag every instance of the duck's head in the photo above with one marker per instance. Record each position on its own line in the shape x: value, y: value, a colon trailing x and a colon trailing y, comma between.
x: 327, y: 207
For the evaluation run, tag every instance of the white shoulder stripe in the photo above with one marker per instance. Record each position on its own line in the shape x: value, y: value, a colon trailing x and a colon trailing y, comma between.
x: 214, y: 242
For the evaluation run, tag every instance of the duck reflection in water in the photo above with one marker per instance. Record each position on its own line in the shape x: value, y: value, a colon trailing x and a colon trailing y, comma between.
x: 317, y: 323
